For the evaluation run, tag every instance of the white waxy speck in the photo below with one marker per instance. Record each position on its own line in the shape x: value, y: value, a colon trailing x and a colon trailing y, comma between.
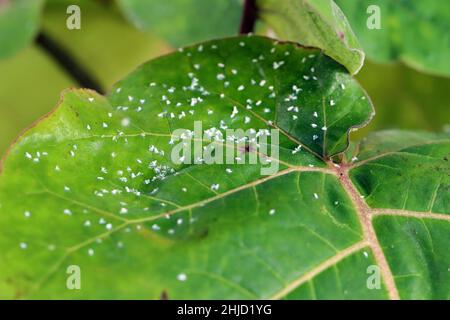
x: 215, y: 186
x: 324, y: 128
x: 123, y: 210
x: 297, y: 149
x: 241, y: 87
x: 155, y: 227
x: 278, y: 64
x: 180, y: 221
x: 365, y: 254
x: 184, y: 189
x: 342, y: 86
x: 313, y: 125
x: 67, y: 212
x: 88, y: 127
x: 125, y: 122
x: 23, y: 245
x: 109, y: 226
x: 87, y: 223
x: 234, y: 112
x: 104, y: 125
x: 316, y: 196
x: 182, y: 277
x: 228, y: 170
x: 272, y: 212
x: 332, y: 102
x: 220, y: 76
x: 27, y: 214
x: 91, y: 99
x: 90, y: 252
x: 247, y: 119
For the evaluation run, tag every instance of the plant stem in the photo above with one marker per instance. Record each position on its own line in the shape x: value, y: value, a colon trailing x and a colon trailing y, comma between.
x: 249, y: 16
x: 68, y: 63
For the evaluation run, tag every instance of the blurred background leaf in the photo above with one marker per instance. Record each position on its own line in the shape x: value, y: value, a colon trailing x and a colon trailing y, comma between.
x: 182, y: 22
x: 107, y: 46
x: 404, y: 98
x: 19, y: 22
x: 415, y: 32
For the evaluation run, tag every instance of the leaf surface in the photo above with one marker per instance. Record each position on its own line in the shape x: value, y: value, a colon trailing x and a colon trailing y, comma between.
x: 94, y: 185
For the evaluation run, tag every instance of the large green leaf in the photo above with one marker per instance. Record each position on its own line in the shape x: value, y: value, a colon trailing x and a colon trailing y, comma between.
x: 90, y: 186
x: 183, y: 22
x: 318, y: 23
x: 19, y: 21
x: 415, y: 32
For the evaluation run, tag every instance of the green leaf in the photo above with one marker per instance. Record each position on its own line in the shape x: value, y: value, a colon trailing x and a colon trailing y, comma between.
x: 87, y: 187
x: 183, y: 22
x: 19, y: 21
x: 414, y: 32
x: 318, y: 23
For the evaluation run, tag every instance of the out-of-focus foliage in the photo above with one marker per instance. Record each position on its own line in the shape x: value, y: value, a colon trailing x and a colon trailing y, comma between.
x: 106, y: 45
x: 19, y: 21
x: 413, y: 31
x: 30, y: 85
x: 185, y: 21
x: 405, y: 98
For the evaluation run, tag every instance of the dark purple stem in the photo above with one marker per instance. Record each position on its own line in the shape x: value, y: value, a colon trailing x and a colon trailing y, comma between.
x: 249, y: 16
